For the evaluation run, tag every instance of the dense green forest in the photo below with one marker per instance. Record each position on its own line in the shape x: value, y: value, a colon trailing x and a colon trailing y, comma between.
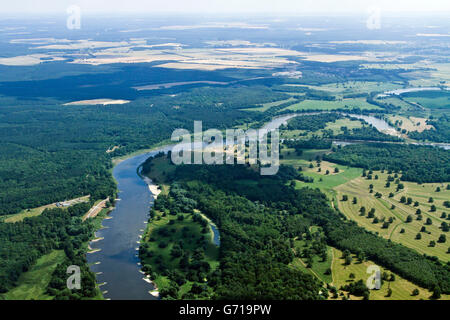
x: 366, y: 133
x: 258, y: 216
x: 312, y: 122
x: 416, y: 163
x: 50, y: 152
x: 22, y: 243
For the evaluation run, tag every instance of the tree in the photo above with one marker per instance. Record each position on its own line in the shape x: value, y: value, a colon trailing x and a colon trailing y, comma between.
x: 444, y: 226
x: 442, y: 238
x: 362, y: 210
x: 415, y: 292
x: 344, y: 197
x: 418, y: 236
x: 355, y: 201
x: 436, y: 293
x: 389, y: 292
x: 429, y: 222
x: 348, y: 260
x: 409, y: 218
x: 430, y: 200
x: 336, y: 170
x: 432, y: 244
x: 438, y: 189
x: 433, y: 208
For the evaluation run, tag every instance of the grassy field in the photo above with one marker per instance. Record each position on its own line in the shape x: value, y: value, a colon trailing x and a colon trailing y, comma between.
x: 396, y: 101
x: 430, y: 99
x: 322, y: 180
x: 333, y: 126
x: 191, y: 242
x: 359, y: 188
x: 336, y: 126
x: 33, y: 283
x: 267, y: 106
x: 318, y: 268
x: 401, y: 288
x: 410, y: 123
x: 37, y: 211
x: 432, y: 78
x: 332, y: 105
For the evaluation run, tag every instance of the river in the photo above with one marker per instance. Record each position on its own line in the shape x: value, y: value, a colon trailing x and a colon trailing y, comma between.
x: 117, y: 263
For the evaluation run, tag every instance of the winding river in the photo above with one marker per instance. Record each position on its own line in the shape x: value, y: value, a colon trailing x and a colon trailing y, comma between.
x: 117, y: 264
x: 115, y: 252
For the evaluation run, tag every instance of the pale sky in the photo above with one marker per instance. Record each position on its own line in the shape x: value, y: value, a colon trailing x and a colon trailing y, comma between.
x: 223, y: 6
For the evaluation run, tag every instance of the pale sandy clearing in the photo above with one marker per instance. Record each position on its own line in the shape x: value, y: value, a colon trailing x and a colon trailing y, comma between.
x: 94, y: 102
x: 29, y: 60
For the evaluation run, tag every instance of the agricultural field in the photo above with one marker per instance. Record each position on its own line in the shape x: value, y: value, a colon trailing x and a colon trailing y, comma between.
x: 349, y: 104
x: 401, y: 289
x: 392, y: 209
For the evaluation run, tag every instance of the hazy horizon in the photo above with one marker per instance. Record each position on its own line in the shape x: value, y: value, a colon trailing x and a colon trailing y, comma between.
x: 288, y: 7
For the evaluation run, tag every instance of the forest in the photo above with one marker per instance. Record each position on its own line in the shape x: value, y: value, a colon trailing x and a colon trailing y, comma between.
x: 416, y: 163
x: 22, y: 243
x: 52, y: 153
x: 258, y: 216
